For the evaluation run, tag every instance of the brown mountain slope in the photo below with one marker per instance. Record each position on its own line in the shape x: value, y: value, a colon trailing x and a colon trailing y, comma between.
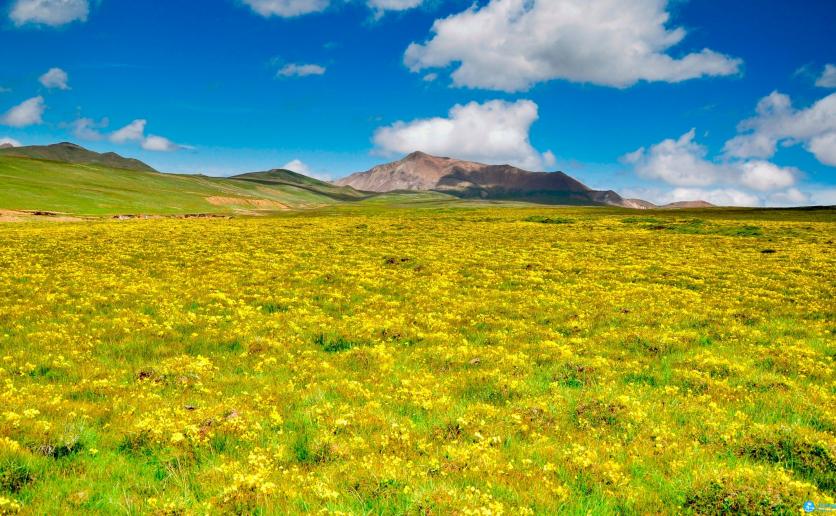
x: 420, y: 171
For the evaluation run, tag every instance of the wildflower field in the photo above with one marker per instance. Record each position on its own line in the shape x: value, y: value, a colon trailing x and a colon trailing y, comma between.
x: 422, y: 361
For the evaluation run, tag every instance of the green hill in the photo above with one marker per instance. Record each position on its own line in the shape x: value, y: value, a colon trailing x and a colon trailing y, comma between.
x: 278, y: 178
x: 88, y: 189
x: 66, y: 152
x: 69, y: 179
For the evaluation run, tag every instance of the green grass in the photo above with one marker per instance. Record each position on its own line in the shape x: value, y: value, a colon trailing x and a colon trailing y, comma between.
x: 30, y: 184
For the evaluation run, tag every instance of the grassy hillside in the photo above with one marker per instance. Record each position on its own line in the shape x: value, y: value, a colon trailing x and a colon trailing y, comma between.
x: 31, y: 184
x: 71, y: 153
x: 279, y: 178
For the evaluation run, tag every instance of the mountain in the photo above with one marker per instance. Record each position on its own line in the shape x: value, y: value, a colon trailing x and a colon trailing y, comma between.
x: 468, y: 179
x: 66, y: 152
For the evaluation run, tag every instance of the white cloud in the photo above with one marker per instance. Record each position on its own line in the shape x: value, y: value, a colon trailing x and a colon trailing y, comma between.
x: 679, y: 162
x: 494, y: 132
x: 55, y: 78
x: 160, y: 144
x: 827, y: 79
x: 135, y: 131
x: 297, y: 166
x: 777, y: 121
x: 49, y: 12
x: 28, y: 112
x: 824, y: 147
x: 764, y: 176
x: 430, y: 77
x: 9, y: 141
x: 510, y: 45
x: 286, y: 8
x: 683, y: 163
x: 300, y: 70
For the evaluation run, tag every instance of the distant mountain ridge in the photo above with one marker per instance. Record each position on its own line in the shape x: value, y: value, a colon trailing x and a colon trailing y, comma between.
x: 67, y: 152
x: 469, y: 179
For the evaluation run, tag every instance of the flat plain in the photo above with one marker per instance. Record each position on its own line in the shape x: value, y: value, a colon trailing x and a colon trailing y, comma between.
x: 377, y: 360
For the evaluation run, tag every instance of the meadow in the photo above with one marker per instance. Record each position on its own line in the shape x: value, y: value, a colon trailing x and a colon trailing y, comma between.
x: 372, y: 360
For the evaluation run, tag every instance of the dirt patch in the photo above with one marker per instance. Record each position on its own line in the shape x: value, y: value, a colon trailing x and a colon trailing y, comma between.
x: 23, y: 216
x: 263, y: 204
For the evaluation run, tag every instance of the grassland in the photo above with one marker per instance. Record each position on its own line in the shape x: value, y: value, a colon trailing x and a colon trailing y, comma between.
x: 442, y: 360
x: 84, y: 189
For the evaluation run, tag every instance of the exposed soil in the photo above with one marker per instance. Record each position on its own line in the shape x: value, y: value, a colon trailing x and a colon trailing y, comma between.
x: 23, y: 216
x: 264, y: 204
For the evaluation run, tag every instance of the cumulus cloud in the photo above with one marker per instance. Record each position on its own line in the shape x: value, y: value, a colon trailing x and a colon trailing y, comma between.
x: 683, y: 163
x: 28, y: 112
x: 6, y: 141
x: 777, y: 121
x: 764, y: 176
x: 300, y: 70
x: 49, y: 12
x: 286, y: 8
x: 827, y: 79
x: 494, y: 132
x: 680, y: 162
x: 823, y: 147
x: 55, y: 78
x: 135, y: 132
x: 510, y: 45
x: 156, y: 143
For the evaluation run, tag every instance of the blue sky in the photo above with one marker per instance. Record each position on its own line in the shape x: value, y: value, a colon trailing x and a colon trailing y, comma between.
x: 651, y: 98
